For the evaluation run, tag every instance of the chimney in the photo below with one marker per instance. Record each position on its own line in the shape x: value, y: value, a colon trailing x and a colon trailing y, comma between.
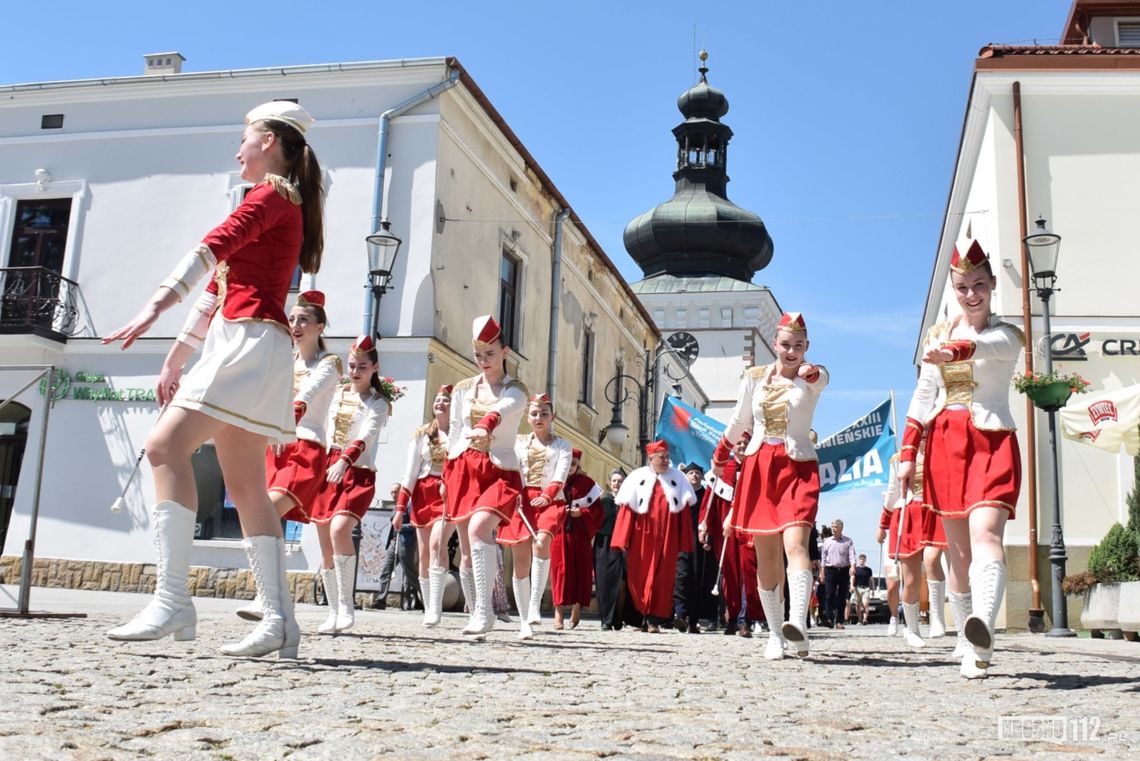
x: 163, y: 63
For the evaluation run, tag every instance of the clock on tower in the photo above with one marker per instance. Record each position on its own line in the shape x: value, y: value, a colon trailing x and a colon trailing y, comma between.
x: 685, y: 344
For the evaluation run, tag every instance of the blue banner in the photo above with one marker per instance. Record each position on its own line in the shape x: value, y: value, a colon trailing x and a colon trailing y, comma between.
x: 858, y: 455
x: 690, y: 434
x: 854, y: 457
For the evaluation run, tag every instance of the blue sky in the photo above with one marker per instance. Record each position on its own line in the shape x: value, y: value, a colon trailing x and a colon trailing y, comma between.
x: 846, y: 119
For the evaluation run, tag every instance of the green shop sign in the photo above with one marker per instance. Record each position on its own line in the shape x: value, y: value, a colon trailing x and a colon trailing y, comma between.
x: 91, y: 387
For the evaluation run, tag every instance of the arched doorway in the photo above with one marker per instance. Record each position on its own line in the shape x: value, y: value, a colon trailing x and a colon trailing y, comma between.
x: 14, y: 418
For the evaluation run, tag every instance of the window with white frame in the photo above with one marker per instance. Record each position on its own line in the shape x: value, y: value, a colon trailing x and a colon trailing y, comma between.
x: 726, y: 317
x: 682, y: 318
x: 703, y: 318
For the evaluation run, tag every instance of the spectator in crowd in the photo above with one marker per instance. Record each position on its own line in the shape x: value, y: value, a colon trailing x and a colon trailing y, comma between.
x: 609, y: 564
x: 838, y: 559
x: 864, y: 577
x: 692, y: 590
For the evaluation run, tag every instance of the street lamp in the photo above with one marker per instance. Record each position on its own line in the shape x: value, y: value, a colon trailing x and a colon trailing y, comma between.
x: 383, y: 248
x: 617, y: 394
x: 1044, y: 247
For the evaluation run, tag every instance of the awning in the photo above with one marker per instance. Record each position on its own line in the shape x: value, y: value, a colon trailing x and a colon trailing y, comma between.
x: 1107, y: 421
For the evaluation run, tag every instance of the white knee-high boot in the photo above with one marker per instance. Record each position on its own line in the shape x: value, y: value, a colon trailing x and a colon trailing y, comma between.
x: 910, y: 633
x: 522, y: 601
x: 961, y: 605
x: 345, y: 566
x: 987, y: 580
x: 278, y: 630
x: 539, y: 571
x: 171, y: 611
x: 482, y: 617
x: 467, y: 585
x: 332, y: 596
x: 937, y: 608
x: 433, y: 603
x: 795, y: 628
x: 774, y: 613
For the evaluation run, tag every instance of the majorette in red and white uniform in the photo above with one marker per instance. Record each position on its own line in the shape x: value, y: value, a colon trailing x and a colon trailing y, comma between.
x: 354, y: 424
x: 738, y: 567
x: 484, y: 475
x: 481, y: 472
x: 544, y: 468
x: 778, y: 484
x: 972, y: 455
x: 252, y: 256
x: 896, y: 506
x: 298, y: 470
x: 420, y: 488
x: 572, y: 551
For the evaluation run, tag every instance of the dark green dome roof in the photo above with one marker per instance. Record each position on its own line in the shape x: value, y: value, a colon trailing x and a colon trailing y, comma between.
x: 699, y: 231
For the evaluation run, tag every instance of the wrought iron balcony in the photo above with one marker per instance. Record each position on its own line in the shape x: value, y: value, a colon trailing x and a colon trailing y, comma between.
x: 39, y: 301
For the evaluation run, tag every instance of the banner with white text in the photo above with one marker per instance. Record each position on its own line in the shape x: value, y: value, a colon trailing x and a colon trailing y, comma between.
x: 858, y: 455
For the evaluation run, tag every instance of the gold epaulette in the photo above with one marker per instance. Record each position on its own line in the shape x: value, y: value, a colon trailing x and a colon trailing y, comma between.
x: 284, y: 188
x: 1016, y: 331
x: 758, y: 372
x: 464, y: 384
x: 335, y: 360
x: 938, y: 333
x: 516, y: 383
x: 423, y: 430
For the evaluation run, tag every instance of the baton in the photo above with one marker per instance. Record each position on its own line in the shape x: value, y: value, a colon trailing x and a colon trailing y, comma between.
x: 118, y: 505
x: 720, y: 564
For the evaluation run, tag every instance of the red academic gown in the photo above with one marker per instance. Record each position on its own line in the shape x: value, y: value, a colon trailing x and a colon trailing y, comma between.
x: 572, y: 550
x: 739, y: 583
x: 651, y: 541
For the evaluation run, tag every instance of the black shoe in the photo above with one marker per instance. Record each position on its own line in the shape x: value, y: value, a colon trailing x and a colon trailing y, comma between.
x: 680, y: 625
x: 694, y: 628
x: 730, y: 629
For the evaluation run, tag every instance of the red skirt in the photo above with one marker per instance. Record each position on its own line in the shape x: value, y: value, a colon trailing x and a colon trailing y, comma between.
x: 352, y: 496
x: 912, y: 531
x: 298, y: 473
x: 427, y: 502
x: 966, y: 468
x: 933, y: 535
x: 775, y: 492
x: 542, y: 519
x: 474, y: 484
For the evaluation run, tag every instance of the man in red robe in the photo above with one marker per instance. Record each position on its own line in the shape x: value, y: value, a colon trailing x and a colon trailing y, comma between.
x: 739, y: 584
x: 653, y: 526
x: 572, y: 550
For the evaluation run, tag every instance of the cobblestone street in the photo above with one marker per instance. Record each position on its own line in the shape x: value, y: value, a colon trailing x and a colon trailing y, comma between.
x: 393, y: 689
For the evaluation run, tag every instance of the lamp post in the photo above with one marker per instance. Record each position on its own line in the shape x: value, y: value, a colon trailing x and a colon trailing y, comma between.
x: 1044, y: 247
x: 383, y: 248
x: 617, y: 393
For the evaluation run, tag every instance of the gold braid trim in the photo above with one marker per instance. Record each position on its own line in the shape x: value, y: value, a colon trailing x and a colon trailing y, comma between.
x: 938, y: 332
x: 284, y: 188
x: 757, y: 373
x: 1016, y: 331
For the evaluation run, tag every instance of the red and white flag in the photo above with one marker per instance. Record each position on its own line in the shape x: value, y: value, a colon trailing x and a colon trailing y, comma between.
x: 1107, y: 421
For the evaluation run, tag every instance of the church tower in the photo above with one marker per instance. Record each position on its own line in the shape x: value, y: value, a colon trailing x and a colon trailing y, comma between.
x: 699, y: 253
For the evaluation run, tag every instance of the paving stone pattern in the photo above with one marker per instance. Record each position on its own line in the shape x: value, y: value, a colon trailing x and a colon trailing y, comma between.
x: 391, y: 689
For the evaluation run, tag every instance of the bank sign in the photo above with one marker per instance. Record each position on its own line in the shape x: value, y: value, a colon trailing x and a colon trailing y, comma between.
x: 91, y: 387
x: 1075, y: 347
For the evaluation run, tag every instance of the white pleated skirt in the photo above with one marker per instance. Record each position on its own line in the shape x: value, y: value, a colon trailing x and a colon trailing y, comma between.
x: 244, y: 378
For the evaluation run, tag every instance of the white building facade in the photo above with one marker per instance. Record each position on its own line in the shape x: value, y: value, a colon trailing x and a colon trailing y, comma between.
x: 1081, y: 169
x: 104, y: 184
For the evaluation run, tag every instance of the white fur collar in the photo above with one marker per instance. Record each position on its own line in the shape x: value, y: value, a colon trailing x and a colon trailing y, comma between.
x: 719, y: 487
x: 637, y: 488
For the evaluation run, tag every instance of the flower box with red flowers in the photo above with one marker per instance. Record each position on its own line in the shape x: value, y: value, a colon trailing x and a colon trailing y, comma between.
x: 1050, y: 391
